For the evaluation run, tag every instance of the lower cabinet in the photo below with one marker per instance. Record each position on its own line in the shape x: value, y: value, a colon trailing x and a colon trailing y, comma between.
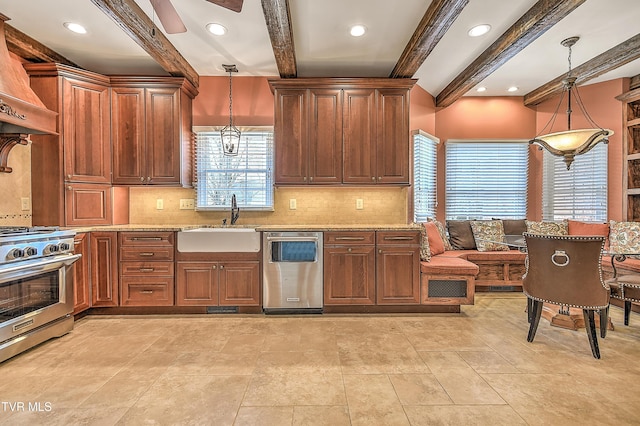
x: 103, y: 253
x: 218, y: 283
x: 372, y: 267
x: 146, y: 268
x: 81, y: 280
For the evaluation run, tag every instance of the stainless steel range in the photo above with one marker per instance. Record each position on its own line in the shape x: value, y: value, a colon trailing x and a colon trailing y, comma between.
x: 36, y: 286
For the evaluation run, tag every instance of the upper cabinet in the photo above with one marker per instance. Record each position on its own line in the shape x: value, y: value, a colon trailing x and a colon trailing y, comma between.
x: 631, y: 140
x: 151, y: 124
x: 342, y: 131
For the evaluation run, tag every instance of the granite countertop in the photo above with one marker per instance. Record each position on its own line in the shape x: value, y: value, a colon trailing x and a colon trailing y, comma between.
x: 276, y: 228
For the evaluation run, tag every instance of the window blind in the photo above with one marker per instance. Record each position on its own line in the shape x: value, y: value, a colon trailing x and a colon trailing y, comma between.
x: 579, y: 193
x: 249, y: 175
x: 486, y: 179
x: 424, y: 176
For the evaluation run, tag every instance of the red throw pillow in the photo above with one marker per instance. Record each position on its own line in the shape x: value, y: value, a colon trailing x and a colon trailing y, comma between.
x: 584, y: 228
x: 436, y: 245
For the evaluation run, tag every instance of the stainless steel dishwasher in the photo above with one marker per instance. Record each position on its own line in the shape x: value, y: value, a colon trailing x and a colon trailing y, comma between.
x: 292, y: 272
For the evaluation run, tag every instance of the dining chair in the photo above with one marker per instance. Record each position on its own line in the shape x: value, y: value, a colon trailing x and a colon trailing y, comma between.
x: 566, y: 271
x: 627, y: 289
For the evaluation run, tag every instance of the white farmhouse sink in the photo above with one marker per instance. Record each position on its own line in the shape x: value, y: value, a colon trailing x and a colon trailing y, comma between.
x: 218, y: 240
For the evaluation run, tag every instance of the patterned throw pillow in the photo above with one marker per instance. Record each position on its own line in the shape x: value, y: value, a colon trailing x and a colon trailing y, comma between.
x: 624, y: 237
x: 489, y: 234
x: 548, y: 228
x: 443, y: 233
x: 425, y: 253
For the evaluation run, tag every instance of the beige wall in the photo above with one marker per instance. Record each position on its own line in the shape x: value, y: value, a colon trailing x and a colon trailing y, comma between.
x: 14, y: 186
x: 315, y: 206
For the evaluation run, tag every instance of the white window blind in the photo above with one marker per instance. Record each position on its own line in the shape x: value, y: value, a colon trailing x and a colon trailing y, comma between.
x: 424, y: 175
x: 486, y: 179
x: 249, y: 175
x: 579, y: 193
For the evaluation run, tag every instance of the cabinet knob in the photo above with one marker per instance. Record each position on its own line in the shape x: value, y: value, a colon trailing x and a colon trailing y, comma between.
x: 148, y: 178
x: 380, y: 251
x: 213, y: 267
x: 379, y: 178
x: 69, y: 177
x: 373, y: 178
x: 221, y: 266
x: 141, y: 178
x: 69, y: 187
x: 349, y: 249
x: 311, y: 179
x: 304, y: 178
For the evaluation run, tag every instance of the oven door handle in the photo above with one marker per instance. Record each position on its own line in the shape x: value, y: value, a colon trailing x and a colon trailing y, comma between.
x: 43, y: 265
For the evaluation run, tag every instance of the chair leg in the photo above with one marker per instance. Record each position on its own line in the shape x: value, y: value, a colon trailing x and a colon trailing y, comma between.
x: 536, y: 312
x: 627, y: 311
x: 529, y: 309
x: 604, y: 321
x: 590, y: 325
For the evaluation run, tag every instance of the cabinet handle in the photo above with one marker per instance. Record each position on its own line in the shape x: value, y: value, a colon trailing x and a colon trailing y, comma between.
x: 398, y: 238
x: 304, y: 178
x: 213, y: 267
x: 146, y: 238
x: 379, y: 178
x: 380, y: 251
x: 148, y: 178
x: 146, y: 291
x: 146, y: 269
x: 146, y: 254
x: 310, y: 178
x: 141, y: 178
x: 350, y: 238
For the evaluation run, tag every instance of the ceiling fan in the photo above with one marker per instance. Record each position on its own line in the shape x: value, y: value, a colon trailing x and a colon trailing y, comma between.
x: 171, y: 20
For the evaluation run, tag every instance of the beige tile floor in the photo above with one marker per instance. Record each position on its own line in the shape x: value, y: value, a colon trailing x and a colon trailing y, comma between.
x: 473, y: 368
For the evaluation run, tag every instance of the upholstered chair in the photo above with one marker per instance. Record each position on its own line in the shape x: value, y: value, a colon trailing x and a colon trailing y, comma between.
x: 566, y: 271
x: 627, y: 289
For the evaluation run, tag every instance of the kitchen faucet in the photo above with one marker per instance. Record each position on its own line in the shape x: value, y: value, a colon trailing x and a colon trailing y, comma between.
x: 235, y: 210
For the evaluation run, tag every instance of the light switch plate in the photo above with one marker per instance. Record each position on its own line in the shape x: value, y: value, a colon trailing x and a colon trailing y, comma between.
x: 24, y: 203
x: 187, y: 204
x: 359, y: 204
x: 292, y: 204
x: 159, y: 204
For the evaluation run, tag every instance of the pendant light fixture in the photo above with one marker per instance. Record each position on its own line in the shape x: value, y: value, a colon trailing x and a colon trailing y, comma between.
x: 570, y: 143
x: 230, y: 135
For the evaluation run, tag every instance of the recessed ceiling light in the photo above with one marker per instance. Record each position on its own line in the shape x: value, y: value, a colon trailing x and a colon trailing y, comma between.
x: 481, y: 89
x: 358, y: 30
x: 216, y: 29
x: 76, y: 28
x: 512, y: 89
x: 479, y: 30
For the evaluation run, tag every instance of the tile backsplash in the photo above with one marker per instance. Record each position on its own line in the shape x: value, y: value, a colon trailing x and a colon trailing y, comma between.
x: 16, y: 186
x: 314, y: 206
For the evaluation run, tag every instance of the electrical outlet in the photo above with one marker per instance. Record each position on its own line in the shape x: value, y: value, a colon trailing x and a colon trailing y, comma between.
x: 292, y: 204
x: 187, y: 204
x: 159, y: 204
x: 359, y: 204
x: 25, y: 204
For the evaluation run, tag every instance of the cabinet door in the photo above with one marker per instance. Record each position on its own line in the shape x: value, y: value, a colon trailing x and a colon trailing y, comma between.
x: 325, y: 136
x: 87, y: 204
x: 398, y: 275
x: 197, y: 284
x: 162, y: 137
x: 349, y: 275
x: 291, y: 146
x: 393, y: 144
x: 104, y: 268
x: 81, y: 282
x: 128, y: 131
x: 359, y: 136
x: 239, y: 283
x: 86, y: 132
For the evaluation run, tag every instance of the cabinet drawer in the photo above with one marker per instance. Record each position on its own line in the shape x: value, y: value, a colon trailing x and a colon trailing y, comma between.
x: 147, y: 291
x: 146, y: 253
x: 137, y: 239
x: 398, y: 237
x: 146, y: 268
x: 349, y: 238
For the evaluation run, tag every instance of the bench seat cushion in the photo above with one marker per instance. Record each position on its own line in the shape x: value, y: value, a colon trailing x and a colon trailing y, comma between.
x: 448, y: 265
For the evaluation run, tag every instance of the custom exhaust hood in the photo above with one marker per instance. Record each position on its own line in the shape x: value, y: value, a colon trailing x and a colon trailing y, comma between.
x: 21, y: 111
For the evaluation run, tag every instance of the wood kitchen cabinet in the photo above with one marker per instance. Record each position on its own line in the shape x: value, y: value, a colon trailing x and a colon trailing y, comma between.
x: 398, y: 267
x: 103, y: 254
x: 218, y: 279
x: 79, y: 156
x: 146, y: 268
x: 342, y: 131
x: 349, y: 268
x: 151, y: 128
x: 631, y: 154
x: 81, y: 279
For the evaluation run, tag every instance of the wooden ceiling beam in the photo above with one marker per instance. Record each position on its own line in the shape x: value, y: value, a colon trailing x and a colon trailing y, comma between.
x: 635, y: 82
x: 434, y: 24
x: 613, y: 58
x: 535, y: 22
x: 30, y: 49
x: 278, y: 19
x: 135, y: 23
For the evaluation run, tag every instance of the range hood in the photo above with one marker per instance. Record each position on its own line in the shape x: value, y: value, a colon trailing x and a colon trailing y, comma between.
x: 21, y: 111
